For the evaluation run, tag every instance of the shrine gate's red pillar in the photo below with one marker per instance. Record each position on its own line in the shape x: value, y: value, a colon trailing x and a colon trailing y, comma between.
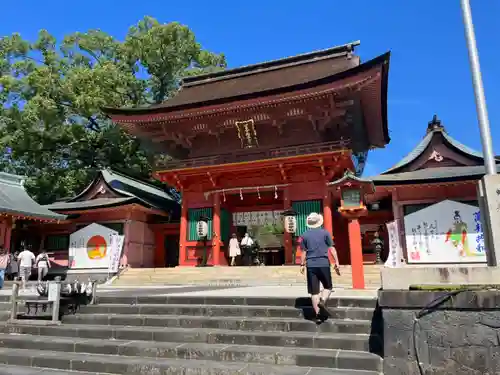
x: 358, y: 275
x: 183, y: 232
x: 327, y: 216
x: 287, y: 204
x: 216, y: 238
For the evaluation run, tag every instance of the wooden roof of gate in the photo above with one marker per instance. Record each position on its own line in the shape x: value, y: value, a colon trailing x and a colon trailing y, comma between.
x: 255, y: 80
x: 330, y: 74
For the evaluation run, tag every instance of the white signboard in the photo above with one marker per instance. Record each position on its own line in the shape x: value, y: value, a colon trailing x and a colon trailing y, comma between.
x: 115, y: 252
x: 446, y: 232
x: 90, y: 247
x: 257, y: 218
x: 395, y: 258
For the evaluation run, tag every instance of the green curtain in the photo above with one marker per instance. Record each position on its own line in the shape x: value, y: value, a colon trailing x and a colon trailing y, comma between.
x: 194, y: 215
x: 225, y: 225
x: 303, y: 209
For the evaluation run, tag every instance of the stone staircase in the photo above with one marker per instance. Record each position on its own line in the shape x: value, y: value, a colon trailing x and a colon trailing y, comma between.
x: 267, y: 275
x: 156, y: 335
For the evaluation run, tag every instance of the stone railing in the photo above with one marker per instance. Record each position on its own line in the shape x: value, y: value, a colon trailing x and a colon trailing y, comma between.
x: 54, y: 296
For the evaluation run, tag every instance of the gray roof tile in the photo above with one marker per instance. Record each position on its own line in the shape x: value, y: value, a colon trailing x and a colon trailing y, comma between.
x: 15, y: 200
x: 430, y: 175
x: 420, y: 148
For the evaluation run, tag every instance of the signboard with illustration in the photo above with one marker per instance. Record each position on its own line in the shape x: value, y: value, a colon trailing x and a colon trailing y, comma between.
x: 90, y: 247
x: 446, y: 232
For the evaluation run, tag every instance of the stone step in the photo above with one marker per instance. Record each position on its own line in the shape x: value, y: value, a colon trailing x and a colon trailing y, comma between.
x: 21, y: 370
x: 270, y: 355
x: 100, y: 363
x: 353, y: 313
x: 368, y: 269
x: 356, y: 342
x: 269, y: 275
x: 238, y: 323
x: 333, y: 302
x: 239, y: 283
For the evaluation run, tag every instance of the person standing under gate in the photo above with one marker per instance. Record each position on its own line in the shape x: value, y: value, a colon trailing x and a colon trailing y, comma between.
x: 26, y: 260
x: 247, y: 247
x: 43, y: 264
x: 4, y: 262
x: 234, y: 248
x: 316, y: 243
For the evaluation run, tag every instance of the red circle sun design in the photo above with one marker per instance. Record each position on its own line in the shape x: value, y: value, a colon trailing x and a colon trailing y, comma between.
x: 97, y: 247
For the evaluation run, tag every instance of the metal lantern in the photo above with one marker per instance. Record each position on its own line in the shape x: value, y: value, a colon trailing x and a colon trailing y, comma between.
x: 202, y: 229
x: 351, y: 197
x: 290, y: 221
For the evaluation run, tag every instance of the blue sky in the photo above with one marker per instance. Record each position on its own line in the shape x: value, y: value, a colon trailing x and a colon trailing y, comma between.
x: 429, y: 70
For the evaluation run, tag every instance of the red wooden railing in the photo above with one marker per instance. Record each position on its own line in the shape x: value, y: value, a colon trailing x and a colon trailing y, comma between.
x: 252, y: 154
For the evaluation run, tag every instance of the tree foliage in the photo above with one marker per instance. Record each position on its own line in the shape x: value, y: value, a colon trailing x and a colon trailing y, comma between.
x: 52, y: 129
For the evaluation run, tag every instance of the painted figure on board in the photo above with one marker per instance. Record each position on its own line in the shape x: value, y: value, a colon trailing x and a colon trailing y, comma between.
x: 458, y: 236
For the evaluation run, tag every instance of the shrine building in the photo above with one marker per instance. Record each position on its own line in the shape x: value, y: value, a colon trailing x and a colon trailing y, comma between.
x: 439, y: 168
x: 17, y: 207
x: 131, y: 207
x: 248, y: 143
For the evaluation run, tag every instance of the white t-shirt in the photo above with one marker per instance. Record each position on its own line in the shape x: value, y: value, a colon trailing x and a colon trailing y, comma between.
x: 26, y: 259
x: 247, y: 241
x: 42, y: 261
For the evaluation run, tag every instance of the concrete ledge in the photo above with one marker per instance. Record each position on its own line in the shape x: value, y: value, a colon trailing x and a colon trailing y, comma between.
x: 462, y: 300
x: 403, y: 278
x: 33, y: 322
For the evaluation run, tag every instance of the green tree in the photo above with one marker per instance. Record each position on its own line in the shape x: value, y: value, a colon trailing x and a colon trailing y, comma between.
x: 52, y: 129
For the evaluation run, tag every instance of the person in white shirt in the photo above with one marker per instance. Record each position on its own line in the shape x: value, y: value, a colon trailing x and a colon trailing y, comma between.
x: 26, y: 259
x: 246, y: 246
x: 234, y: 249
x: 43, y: 264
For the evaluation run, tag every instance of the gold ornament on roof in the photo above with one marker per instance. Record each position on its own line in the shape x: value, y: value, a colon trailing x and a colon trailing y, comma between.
x: 247, y: 133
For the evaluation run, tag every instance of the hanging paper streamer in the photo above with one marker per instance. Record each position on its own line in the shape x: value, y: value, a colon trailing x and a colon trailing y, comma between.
x: 275, y: 192
x: 224, y: 195
x: 258, y: 192
x: 241, y: 194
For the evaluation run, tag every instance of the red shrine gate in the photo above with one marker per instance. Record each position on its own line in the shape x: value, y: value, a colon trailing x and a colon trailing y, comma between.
x: 265, y: 138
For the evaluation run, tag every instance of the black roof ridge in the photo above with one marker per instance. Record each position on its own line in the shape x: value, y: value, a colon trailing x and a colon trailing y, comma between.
x: 280, y: 63
x: 135, y: 179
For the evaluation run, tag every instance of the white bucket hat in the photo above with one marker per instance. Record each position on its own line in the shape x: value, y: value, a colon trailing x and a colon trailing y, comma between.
x: 314, y: 220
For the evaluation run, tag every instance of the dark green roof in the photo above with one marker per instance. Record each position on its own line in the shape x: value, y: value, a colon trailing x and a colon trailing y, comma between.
x: 93, y: 203
x: 441, y: 174
x: 15, y: 200
x: 348, y: 175
x: 127, y: 189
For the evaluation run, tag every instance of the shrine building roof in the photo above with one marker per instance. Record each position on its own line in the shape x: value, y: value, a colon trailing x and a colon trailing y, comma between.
x: 15, y: 201
x: 432, y: 175
x: 255, y: 80
x: 110, y: 189
x: 436, y: 129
